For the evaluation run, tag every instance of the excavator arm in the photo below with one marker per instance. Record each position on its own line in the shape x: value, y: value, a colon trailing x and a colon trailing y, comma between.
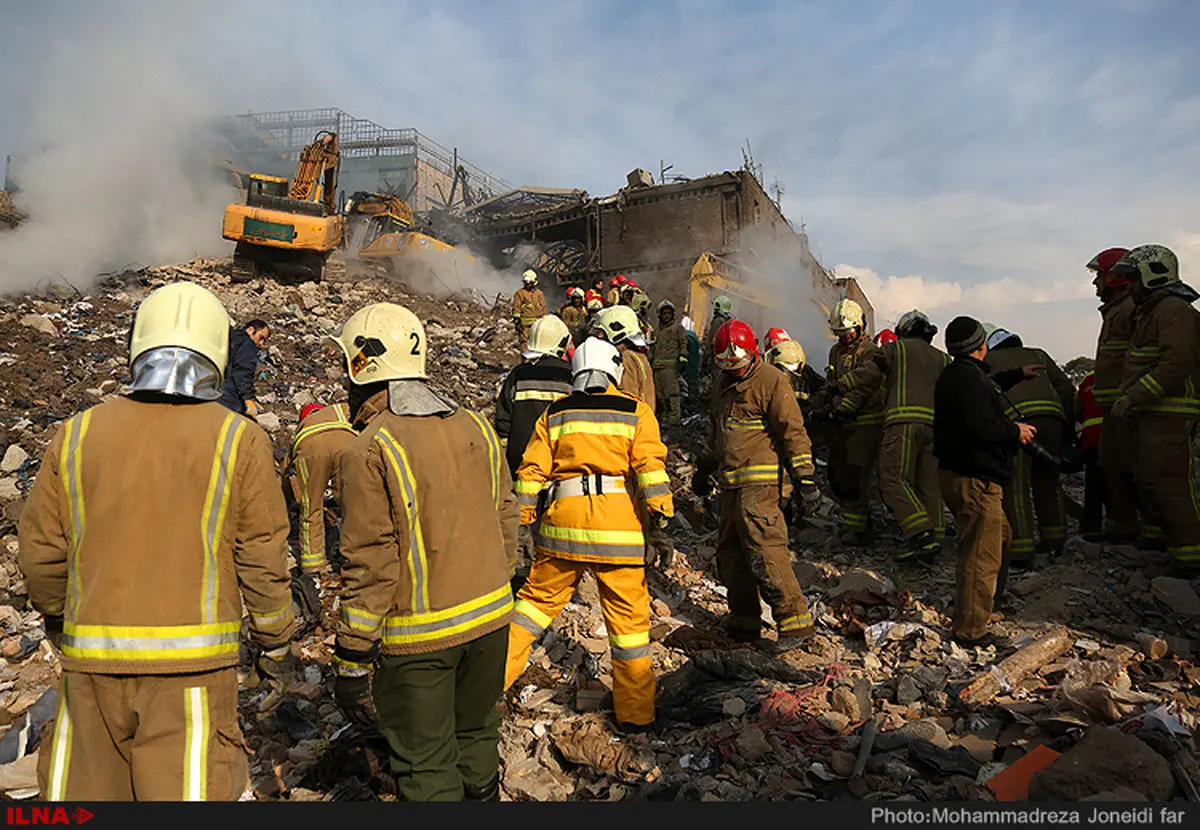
x: 714, y: 273
x: 316, y: 172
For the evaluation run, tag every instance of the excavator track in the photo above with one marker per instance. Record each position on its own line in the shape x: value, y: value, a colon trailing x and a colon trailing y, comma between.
x: 243, y: 270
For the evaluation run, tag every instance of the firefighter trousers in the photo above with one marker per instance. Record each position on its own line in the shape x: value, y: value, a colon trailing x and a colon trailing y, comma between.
x: 852, y: 455
x: 153, y: 737
x: 666, y: 389
x: 753, y: 560
x: 1034, y: 497
x: 439, y: 713
x: 313, y: 474
x: 983, y: 538
x: 625, y: 603
x: 1165, y: 473
x: 1118, y: 450
x: 908, y: 479
x: 1094, y: 495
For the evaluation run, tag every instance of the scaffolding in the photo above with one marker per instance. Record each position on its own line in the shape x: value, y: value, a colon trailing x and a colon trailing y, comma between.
x: 265, y: 139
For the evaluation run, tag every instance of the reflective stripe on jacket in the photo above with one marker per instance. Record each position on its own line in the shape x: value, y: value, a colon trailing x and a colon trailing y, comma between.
x: 1050, y: 394
x: 670, y: 348
x: 907, y: 369
x: 149, y: 548
x: 1115, y: 330
x: 1162, y: 373
x: 638, y: 377
x: 528, y: 305
x: 526, y: 392
x: 335, y: 417
x: 429, y: 533
x: 758, y: 431
x: 843, y: 360
x: 1088, y: 413
x: 610, y: 434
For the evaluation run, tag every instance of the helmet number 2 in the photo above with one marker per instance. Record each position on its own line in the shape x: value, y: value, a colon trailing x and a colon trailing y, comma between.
x: 416, y: 339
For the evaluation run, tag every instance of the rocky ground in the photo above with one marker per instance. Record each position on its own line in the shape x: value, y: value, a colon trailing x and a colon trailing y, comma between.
x: 880, y: 705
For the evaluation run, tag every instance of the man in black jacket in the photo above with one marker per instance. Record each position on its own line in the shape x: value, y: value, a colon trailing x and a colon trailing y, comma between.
x: 238, y: 393
x: 975, y: 444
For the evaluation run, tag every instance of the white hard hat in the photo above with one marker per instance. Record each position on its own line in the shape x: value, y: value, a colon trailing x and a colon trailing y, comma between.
x: 384, y: 341
x: 619, y: 324
x: 847, y: 314
x: 594, y: 364
x: 183, y: 315
x: 548, y: 335
x: 530, y: 275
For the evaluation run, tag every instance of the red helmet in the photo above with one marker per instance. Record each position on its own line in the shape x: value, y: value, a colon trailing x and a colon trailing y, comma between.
x: 615, y: 281
x: 885, y: 336
x: 310, y: 409
x: 735, y: 345
x: 775, y: 336
x: 1103, y: 263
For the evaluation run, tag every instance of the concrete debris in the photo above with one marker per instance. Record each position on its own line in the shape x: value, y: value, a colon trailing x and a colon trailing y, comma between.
x: 1103, y: 761
x: 880, y: 704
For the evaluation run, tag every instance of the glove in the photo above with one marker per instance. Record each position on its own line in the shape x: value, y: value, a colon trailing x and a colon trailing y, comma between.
x: 701, y: 483
x: 277, y: 668
x: 54, y: 630
x: 1122, y: 406
x: 518, y: 580
x: 307, y: 597
x: 352, y: 686
x: 660, y: 549
x: 252, y: 408
x: 810, y: 494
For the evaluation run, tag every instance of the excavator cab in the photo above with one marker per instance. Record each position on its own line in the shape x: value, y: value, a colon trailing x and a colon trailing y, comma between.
x: 261, y: 185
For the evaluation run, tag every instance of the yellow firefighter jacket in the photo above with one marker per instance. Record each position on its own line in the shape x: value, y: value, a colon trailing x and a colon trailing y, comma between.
x: 573, y: 316
x: 1051, y: 393
x: 670, y: 348
x: 611, y: 434
x: 529, y: 304
x: 758, y: 431
x: 638, y: 377
x: 1162, y: 366
x: 1115, y: 330
x: 148, y: 548
x: 907, y: 369
x: 429, y: 533
x: 843, y: 360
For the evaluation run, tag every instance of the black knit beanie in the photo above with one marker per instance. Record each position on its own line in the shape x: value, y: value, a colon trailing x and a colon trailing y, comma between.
x: 964, y: 335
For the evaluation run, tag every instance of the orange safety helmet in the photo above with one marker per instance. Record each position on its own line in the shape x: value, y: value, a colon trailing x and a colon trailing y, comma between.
x: 735, y: 345
x: 775, y: 335
x: 885, y: 336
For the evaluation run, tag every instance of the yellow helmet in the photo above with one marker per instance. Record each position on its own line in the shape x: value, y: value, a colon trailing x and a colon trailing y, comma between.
x: 847, y: 314
x: 383, y: 341
x: 788, y: 354
x: 548, y: 335
x: 185, y: 315
x: 619, y: 324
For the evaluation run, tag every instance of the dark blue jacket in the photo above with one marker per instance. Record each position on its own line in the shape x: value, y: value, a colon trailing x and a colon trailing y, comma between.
x: 239, y: 374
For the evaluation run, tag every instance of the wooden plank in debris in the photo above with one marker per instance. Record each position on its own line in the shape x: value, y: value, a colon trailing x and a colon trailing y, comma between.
x: 1013, y: 669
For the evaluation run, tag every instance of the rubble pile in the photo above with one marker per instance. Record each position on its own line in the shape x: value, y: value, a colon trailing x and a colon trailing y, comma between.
x: 1091, y: 692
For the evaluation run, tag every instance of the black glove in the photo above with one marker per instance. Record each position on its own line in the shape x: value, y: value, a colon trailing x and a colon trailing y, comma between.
x: 352, y: 686
x: 54, y: 630
x: 810, y: 494
x: 660, y: 549
x: 277, y: 668
x: 307, y: 598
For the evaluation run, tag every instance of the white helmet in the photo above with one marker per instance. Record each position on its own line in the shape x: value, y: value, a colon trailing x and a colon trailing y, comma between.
x: 847, y: 314
x: 574, y: 292
x: 548, y: 335
x: 383, y: 341
x: 529, y: 277
x: 788, y: 355
x: 182, y: 315
x: 618, y: 324
x: 595, y: 364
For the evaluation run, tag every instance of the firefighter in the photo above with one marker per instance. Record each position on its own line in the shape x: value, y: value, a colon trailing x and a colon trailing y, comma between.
x: 774, y: 336
x: 787, y: 355
x: 884, y: 337
x: 854, y: 444
x: 311, y: 465
x: 574, y: 312
x: 599, y: 452
x: 183, y: 527
x: 1159, y: 395
x: 1090, y: 418
x: 669, y: 355
x: 1117, y: 440
x: 1048, y: 403
x: 543, y: 377
x: 596, y: 292
x: 429, y: 533
x: 614, y: 290
x: 759, y: 451
x: 722, y: 313
x: 907, y: 369
x: 619, y: 326
x: 529, y: 303
x: 641, y: 305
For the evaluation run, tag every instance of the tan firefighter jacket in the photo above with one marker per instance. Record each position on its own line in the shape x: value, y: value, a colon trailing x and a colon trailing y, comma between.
x: 148, y: 527
x: 612, y: 435
x: 1162, y: 366
x: 638, y: 377
x: 529, y: 304
x: 324, y: 433
x: 1051, y: 393
x: 670, y: 348
x: 843, y: 360
x: 1115, y: 330
x: 429, y: 534
x: 907, y: 369
x: 573, y: 316
x: 758, y: 431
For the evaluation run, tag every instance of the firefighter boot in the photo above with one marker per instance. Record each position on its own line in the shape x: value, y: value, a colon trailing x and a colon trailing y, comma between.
x: 923, y: 547
x: 488, y: 792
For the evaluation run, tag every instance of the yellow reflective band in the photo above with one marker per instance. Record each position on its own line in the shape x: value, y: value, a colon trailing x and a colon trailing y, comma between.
x: 419, y: 628
x: 537, y: 395
x: 309, y: 431
x: 802, y: 460
x: 1116, y: 346
x: 745, y: 423
x: 418, y: 566
x: 629, y: 640
x: 494, y: 453
x: 1145, y: 351
x: 1150, y: 383
x: 71, y: 471
x: 348, y: 668
x: 263, y: 621
x: 795, y: 622
x: 754, y: 472
x: 195, y: 752
x: 592, y: 535
x: 1093, y: 422
x: 305, y: 509
x: 361, y: 620
x: 653, y: 477
x: 147, y: 642
x: 216, y: 503
x: 60, y: 757
x: 529, y: 488
x: 592, y: 428
x: 527, y: 609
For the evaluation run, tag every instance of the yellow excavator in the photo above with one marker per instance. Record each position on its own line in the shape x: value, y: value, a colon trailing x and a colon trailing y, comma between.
x: 381, y: 228
x: 289, y: 229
